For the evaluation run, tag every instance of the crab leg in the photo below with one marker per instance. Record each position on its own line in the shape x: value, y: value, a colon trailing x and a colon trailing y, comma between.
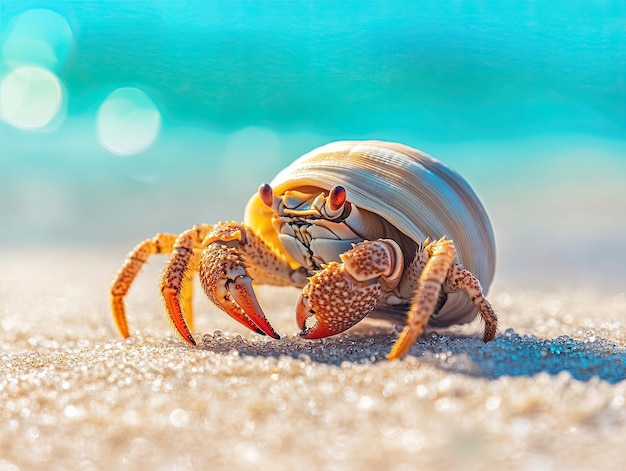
x: 225, y: 277
x: 435, y: 272
x: 160, y: 243
x: 462, y: 279
x: 176, y: 278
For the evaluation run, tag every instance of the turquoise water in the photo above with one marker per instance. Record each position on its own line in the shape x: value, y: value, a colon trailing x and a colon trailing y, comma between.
x: 122, y: 118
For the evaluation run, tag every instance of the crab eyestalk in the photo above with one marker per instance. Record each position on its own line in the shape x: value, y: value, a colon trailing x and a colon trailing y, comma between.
x: 335, y: 201
x: 266, y: 194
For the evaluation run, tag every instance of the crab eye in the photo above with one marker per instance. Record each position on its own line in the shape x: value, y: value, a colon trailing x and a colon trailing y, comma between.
x: 336, y: 198
x: 266, y: 194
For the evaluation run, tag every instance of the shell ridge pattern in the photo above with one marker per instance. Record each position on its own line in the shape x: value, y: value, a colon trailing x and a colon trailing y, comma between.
x: 425, y: 196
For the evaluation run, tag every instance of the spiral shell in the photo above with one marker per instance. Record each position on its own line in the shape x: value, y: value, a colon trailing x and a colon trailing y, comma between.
x: 416, y: 193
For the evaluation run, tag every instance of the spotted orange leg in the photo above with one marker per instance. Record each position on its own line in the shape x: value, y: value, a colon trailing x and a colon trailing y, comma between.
x: 159, y: 244
x: 442, y: 254
x: 220, y: 253
x: 175, y: 285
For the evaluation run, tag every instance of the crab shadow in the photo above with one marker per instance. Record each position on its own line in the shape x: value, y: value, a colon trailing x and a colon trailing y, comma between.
x: 509, y: 354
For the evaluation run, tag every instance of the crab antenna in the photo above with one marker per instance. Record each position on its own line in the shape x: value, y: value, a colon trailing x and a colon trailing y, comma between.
x: 266, y: 194
x: 336, y: 198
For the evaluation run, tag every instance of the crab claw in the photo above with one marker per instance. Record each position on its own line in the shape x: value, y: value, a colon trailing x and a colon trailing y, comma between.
x: 336, y: 301
x: 342, y: 294
x: 225, y: 281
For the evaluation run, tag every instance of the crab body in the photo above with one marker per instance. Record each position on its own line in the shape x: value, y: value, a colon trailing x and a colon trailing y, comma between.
x: 351, y: 223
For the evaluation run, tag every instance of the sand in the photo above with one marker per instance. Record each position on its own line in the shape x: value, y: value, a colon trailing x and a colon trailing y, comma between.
x: 548, y: 394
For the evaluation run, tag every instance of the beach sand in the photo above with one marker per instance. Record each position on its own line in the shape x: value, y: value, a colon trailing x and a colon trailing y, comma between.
x: 548, y: 393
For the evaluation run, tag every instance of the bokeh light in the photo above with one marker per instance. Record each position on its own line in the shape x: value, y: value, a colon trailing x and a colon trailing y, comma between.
x: 31, y: 98
x: 128, y: 122
x: 256, y: 147
x: 38, y: 37
x: 253, y: 155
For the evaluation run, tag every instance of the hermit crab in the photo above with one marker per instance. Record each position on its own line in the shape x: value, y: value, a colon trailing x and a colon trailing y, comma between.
x: 363, y: 227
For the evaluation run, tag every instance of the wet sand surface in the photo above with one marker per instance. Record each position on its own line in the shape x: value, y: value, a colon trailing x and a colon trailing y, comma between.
x: 548, y: 393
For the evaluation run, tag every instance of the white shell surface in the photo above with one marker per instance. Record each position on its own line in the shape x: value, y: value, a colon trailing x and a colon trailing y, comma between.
x: 413, y: 191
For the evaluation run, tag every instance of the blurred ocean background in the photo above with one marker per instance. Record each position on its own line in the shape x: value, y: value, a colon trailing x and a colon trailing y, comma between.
x: 123, y: 118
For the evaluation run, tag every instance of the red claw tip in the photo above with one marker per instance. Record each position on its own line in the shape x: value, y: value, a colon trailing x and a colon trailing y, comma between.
x: 318, y: 329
